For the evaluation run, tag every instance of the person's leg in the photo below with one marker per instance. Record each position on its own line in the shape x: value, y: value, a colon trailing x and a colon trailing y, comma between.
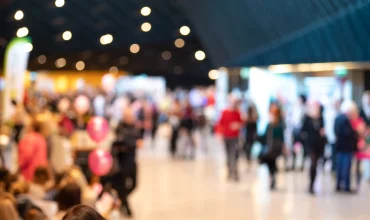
x: 347, y: 171
x: 313, y: 170
x: 130, y: 185
x: 339, y: 170
x: 358, y: 173
x: 271, y: 164
x: 333, y: 158
x: 175, y: 134
x: 228, y: 150
x: 235, y: 158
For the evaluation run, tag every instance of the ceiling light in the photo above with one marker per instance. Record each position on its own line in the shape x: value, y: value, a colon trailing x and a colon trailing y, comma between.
x: 18, y: 15
x: 200, y: 55
x: 213, y: 74
x: 22, y: 32
x: 106, y: 39
x: 80, y: 65
x: 179, y: 43
x: 146, y: 27
x: 61, y: 62
x: 166, y: 55
x: 29, y: 47
x: 113, y: 70
x: 185, y: 30
x: 41, y: 59
x: 67, y: 35
x: 145, y: 11
x: 59, y: 3
x: 135, y: 48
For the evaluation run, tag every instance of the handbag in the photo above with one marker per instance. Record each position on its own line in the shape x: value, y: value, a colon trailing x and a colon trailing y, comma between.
x: 272, y: 148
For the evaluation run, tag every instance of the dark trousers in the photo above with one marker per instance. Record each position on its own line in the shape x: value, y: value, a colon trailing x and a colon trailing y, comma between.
x: 248, y: 148
x: 125, y: 183
x: 313, y: 169
x: 271, y: 164
x: 232, y: 154
x: 344, y: 163
x: 173, y: 147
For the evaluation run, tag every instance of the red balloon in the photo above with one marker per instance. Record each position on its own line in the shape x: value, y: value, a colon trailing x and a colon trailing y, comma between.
x: 98, y: 128
x: 100, y: 162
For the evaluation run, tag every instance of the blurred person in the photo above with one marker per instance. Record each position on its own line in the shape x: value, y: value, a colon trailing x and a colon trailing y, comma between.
x: 174, y: 120
x: 251, y: 131
x: 273, y: 141
x: 35, y: 214
x: 315, y: 139
x: 32, y: 151
x: 8, y: 209
x: 42, y: 182
x: 230, y: 124
x: 187, y: 126
x: 18, y: 120
x: 346, y: 145
x: 128, y: 138
x: 82, y: 212
x: 365, y: 108
x: 68, y: 196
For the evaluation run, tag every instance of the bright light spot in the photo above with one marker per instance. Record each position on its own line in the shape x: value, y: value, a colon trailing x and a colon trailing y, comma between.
x: 67, y: 35
x: 29, y: 47
x: 179, y: 43
x: 61, y: 62
x: 135, y: 48
x: 200, y: 55
x: 59, y: 3
x: 18, y: 15
x: 213, y: 74
x: 106, y: 39
x: 22, y: 32
x: 146, y: 27
x: 185, y: 30
x: 80, y: 65
x: 113, y: 70
x: 166, y: 55
x: 145, y: 11
x: 41, y: 59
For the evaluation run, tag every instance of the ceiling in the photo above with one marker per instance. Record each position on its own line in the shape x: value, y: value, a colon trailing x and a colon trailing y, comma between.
x: 232, y: 33
x: 89, y: 20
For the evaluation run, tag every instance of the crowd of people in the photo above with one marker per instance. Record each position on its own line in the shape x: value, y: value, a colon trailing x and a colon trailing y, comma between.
x: 48, y: 179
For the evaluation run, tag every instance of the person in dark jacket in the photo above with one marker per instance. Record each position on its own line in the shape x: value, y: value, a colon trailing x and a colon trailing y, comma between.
x: 315, y: 140
x: 346, y: 144
x: 128, y: 138
x: 251, y: 131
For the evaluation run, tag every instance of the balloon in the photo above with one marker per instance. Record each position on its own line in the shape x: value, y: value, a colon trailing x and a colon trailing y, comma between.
x: 97, y: 128
x: 81, y: 104
x: 108, y: 83
x: 63, y: 105
x: 100, y: 162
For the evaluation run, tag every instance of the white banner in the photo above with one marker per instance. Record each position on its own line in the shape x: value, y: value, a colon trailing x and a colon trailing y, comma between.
x: 16, y: 60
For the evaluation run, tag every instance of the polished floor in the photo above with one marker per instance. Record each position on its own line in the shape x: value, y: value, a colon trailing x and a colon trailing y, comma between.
x: 198, y: 190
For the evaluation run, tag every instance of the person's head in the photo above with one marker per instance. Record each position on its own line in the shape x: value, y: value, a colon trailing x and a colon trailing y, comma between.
x: 314, y: 109
x: 129, y: 116
x: 74, y: 175
x: 234, y: 102
x: 69, y: 196
x: 350, y: 109
x: 275, y: 114
x: 14, y: 102
x: 8, y: 209
x: 82, y: 212
x: 35, y: 214
x: 35, y: 126
x: 41, y: 176
x: 302, y: 99
x: 19, y: 188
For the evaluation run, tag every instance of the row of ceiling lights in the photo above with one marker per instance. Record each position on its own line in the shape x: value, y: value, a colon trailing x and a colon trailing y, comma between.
x: 108, y: 38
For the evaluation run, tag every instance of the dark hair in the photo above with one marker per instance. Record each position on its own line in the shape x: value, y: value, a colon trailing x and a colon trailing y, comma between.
x: 69, y: 196
x: 14, y: 102
x: 303, y: 98
x: 41, y: 175
x: 35, y: 214
x: 36, y: 126
x: 82, y: 212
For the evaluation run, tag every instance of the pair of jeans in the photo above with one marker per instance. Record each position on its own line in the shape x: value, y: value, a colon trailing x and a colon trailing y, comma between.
x: 232, y: 154
x: 344, y: 162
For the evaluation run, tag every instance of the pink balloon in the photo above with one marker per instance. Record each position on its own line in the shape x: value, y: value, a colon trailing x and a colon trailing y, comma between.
x: 81, y: 104
x: 97, y: 128
x: 100, y: 162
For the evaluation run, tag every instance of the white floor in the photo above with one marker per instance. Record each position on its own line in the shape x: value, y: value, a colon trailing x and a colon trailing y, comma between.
x: 187, y: 190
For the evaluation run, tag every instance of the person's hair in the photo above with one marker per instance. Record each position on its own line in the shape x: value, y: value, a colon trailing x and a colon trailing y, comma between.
x: 19, y: 188
x: 36, y: 125
x: 35, y: 214
x: 41, y: 175
x: 69, y: 196
x: 14, y: 102
x: 8, y: 210
x: 82, y: 212
x: 303, y: 98
x: 348, y: 106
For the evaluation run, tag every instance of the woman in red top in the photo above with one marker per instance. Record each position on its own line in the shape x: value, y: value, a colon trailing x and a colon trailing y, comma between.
x: 230, y: 125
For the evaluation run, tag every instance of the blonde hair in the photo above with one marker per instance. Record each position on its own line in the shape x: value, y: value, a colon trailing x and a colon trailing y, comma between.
x: 349, y: 107
x: 7, y: 207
